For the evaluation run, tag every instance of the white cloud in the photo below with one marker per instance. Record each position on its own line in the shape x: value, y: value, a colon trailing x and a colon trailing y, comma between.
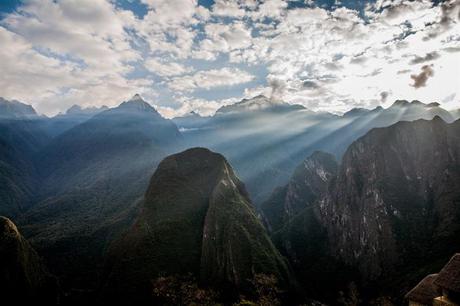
x: 208, y: 79
x: 200, y: 106
x: 56, y: 53
x: 166, y: 69
x: 67, y: 52
x: 228, y: 8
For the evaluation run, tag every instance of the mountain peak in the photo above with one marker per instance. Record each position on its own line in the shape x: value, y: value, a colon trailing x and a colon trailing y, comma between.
x: 136, y: 97
x: 438, y: 118
x: 417, y: 102
x: 136, y: 103
x: 433, y: 104
x: 405, y: 103
x: 78, y: 110
x: 357, y: 111
x: 197, y: 211
x: 256, y: 103
x: 74, y: 108
x: 15, y: 109
x: 400, y: 103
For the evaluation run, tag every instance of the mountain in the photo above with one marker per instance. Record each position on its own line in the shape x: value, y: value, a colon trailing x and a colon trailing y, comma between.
x: 456, y: 113
x: 391, y: 212
x: 15, y: 110
x: 134, y: 130
x: 258, y: 127
x: 92, y: 178
x: 308, y: 183
x: 196, y: 218
x: 265, y: 140
x: 405, y: 179
x: 72, y: 117
x: 78, y: 110
x: 23, y: 276
x: 351, y: 127
x: 190, y: 121
x: 257, y: 103
x: 20, y: 141
x: 357, y: 112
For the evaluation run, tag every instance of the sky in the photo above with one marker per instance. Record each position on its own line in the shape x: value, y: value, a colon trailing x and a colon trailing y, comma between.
x: 198, y: 55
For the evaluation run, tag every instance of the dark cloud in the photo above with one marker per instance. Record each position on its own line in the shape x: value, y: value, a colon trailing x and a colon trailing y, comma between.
x: 421, y: 78
x: 278, y: 88
x: 333, y: 66
x: 358, y: 60
x: 384, y: 95
x: 452, y: 49
x: 404, y: 71
x: 428, y: 57
x: 446, y: 10
x: 449, y: 17
x: 394, y: 11
x: 371, y: 74
x: 310, y: 85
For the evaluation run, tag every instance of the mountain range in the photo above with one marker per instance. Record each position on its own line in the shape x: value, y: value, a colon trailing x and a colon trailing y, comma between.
x: 366, y: 200
x: 281, y: 135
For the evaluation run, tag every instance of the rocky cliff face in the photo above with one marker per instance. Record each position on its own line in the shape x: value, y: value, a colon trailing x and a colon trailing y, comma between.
x: 198, y: 219
x: 393, y: 210
x: 23, y: 277
x: 397, y: 195
x: 309, y: 182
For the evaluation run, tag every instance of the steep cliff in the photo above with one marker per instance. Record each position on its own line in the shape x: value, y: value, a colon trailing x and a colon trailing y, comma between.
x: 309, y: 182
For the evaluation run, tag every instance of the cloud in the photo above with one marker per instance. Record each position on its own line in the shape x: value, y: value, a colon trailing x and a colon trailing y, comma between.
x: 384, y: 95
x: 201, y: 106
x: 327, y: 58
x: 88, y: 31
x: 170, y: 13
x: 278, y: 88
x: 450, y: 12
x: 228, y: 8
x: 310, y: 85
x: 208, y: 79
x: 165, y: 69
x: 421, y: 78
x: 428, y: 57
x: 58, y: 53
